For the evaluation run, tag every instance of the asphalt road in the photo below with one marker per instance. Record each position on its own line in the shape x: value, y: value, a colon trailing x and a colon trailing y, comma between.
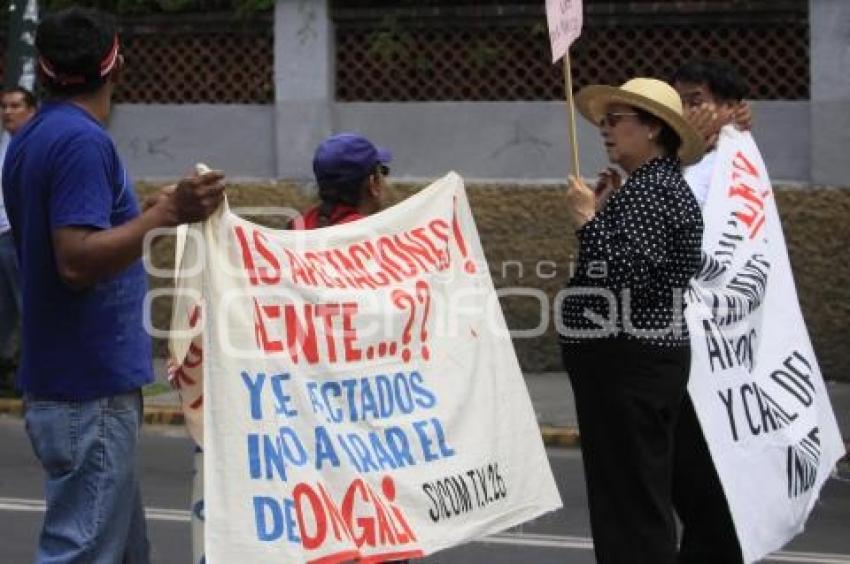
x: 560, y: 537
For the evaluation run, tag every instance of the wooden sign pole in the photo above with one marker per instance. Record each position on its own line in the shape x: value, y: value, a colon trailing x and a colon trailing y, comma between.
x: 571, y: 110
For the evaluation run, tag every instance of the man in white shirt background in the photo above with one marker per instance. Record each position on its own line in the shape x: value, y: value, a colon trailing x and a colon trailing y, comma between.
x: 18, y: 106
x: 712, y: 93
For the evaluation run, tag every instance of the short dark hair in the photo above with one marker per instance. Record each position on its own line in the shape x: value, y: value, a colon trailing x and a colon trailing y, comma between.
x: 74, y: 42
x: 29, y: 97
x: 668, y: 139
x: 722, y: 78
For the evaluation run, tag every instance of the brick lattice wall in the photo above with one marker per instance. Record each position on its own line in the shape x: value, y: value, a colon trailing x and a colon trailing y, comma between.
x: 477, y: 52
x: 474, y: 51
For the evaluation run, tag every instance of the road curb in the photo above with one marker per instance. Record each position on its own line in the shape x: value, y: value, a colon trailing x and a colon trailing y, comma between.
x: 560, y: 436
x: 158, y: 415
x: 565, y: 437
x: 11, y: 406
x: 153, y: 415
x: 163, y: 416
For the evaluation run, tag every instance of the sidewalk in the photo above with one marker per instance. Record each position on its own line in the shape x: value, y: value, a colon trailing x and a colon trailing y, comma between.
x: 550, y: 393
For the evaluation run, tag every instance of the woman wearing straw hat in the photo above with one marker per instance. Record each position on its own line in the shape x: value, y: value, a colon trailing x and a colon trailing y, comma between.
x: 624, y: 339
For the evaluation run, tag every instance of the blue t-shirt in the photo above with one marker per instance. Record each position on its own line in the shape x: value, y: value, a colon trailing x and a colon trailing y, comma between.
x: 62, y: 170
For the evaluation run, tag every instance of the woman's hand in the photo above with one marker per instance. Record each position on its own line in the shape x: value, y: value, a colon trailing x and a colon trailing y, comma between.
x: 581, y: 202
x: 608, y: 182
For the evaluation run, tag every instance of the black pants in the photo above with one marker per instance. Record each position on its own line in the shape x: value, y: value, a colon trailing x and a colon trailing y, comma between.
x: 628, y: 397
x: 708, y: 533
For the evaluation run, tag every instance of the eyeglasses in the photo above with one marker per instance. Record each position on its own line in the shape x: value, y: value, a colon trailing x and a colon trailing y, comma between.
x: 383, y: 169
x: 613, y: 118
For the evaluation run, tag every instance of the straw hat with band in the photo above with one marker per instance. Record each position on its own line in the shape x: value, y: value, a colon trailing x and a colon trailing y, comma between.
x: 651, y: 95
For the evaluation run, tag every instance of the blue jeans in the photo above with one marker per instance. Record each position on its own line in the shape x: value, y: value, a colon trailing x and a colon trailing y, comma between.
x: 88, y: 452
x: 10, y: 294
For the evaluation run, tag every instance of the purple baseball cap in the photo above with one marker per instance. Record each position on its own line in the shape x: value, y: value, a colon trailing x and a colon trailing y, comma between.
x: 347, y: 157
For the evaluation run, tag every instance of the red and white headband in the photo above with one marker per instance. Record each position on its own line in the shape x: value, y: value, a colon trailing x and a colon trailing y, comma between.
x: 106, y: 66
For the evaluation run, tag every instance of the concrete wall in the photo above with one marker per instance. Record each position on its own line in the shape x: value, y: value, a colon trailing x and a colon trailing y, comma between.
x: 494, y: 140
x: 830, y: 94
x: 528, y: 140
x: 164, y: 142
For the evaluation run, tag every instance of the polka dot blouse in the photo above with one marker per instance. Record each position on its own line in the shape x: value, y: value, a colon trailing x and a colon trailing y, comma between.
x: 636, y: 257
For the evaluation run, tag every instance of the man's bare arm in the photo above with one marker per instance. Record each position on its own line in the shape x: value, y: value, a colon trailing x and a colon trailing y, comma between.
x: 85, y: 255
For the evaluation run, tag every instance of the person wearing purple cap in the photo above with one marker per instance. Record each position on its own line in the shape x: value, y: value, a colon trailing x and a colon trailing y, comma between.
x: 351, y: 173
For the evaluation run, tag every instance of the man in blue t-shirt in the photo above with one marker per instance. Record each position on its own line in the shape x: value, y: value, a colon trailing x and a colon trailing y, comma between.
x: 78, y: 234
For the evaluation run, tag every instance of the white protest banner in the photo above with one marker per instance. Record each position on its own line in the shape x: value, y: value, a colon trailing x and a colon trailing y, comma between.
x: 755, y: 382
x: 185, y: 346
x: 564, y: 19
x: 361, y: 394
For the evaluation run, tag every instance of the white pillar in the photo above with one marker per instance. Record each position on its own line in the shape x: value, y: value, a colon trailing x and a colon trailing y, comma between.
x: 829, y: 22
x: 304, y: 83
